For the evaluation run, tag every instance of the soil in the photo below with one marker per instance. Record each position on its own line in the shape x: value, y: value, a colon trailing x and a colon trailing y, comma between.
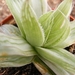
x: 24, y: 70
x: 29, y: 69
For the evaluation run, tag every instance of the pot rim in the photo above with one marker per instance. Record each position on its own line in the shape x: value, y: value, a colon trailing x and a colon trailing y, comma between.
x: 7, y: 19
x: 72, y: 18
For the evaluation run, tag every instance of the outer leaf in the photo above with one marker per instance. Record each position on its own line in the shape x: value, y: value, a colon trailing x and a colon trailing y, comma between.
x: 15, y: 45
x: 10, y: 30
x: 14, y: 50
x: 56, y: 68
x: 65, y: 59
x: 33, y: 30
x: 66, y: 7
x: 15, y: 8
x: 14, y: 61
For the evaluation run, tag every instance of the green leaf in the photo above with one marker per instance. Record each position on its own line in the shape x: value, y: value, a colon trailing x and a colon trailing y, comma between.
x: 15, y: 7
x: 66, y: 7
x: 59, y: 57
x: 15, y: 45
x: 56, y: 30
x: 46, y: 23
x: 33, y: 30
x: 56, y: 68
x: 14, y: 50
x: 69, y: 41
x: 14, y: 60
x: 71, y: 38
x: 59, y: 30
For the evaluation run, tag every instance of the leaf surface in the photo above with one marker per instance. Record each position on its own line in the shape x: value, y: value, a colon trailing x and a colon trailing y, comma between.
x: 65, y: 58
x: 33, y: 30
x: 15, y: 7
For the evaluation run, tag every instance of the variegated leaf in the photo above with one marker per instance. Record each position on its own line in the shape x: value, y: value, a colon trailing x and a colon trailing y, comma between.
x: 33, y: 30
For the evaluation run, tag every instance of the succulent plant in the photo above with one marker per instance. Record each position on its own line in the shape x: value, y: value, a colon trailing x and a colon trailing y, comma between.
x: 41, y: 37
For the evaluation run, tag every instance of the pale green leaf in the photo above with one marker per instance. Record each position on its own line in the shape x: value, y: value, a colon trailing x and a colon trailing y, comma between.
x: 15, y: 7
x: 59, y: 57
x: 33, y: 30
x: 66, y: 7
x: 69, y: 41
x: 14, y: 60
x: 12, y: 42
x: 56, y: 68
x: 10, y: 30
x: 58, y: 26
x: 59, y: 30
x: 15, y: 45
x: 46, y: 23
x: 39, y: 6
x: 14, y: 50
